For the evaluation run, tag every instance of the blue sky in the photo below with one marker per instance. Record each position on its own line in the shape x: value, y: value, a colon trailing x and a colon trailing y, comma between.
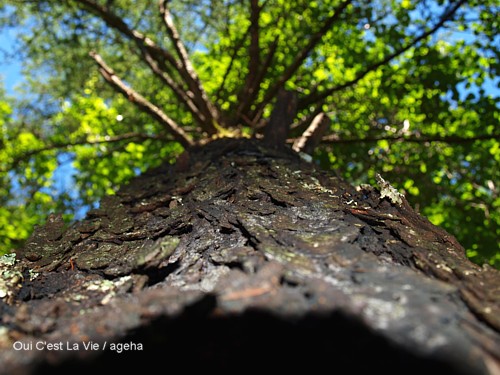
x: 10, y: 69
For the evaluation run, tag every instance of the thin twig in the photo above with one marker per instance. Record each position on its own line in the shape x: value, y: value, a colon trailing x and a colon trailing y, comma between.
x: 142, y: 103
x: 188, y: 72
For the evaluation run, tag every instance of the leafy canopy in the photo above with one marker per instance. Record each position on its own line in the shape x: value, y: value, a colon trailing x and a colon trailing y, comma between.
x: 410, y: 89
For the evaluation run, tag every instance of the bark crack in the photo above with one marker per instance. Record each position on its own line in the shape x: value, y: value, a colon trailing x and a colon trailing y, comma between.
x: 251, y: 240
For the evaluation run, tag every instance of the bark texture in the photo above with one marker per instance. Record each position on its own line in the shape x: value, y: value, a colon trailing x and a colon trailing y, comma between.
x: 242, y: 256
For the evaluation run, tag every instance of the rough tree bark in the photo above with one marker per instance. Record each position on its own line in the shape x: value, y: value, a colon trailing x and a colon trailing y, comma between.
x: 242, y: 256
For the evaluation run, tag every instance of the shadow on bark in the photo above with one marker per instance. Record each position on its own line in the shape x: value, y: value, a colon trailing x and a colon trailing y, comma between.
x: 260, y: 342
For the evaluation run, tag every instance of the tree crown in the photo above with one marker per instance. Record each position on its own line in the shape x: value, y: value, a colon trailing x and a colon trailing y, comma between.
x: 397, y: 88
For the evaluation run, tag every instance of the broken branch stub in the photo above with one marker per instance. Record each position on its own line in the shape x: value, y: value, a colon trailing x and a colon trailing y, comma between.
x: 312, y: 136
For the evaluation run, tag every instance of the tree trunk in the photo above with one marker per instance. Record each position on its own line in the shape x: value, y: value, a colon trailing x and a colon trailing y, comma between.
x: 242, y: 256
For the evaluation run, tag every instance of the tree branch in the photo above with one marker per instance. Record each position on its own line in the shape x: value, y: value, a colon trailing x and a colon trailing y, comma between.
x: 199, y: 95
x: 62, y: 145
x: 335, y: 139
x: 253, y: 52
x: 255, y: 84
x: 319, y: 96
x: 143, y: 42
x: 142, y: 103
x: 181, y: 94
x: 155, y: 57
x: 237, y: 47
x: 302, y: 55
